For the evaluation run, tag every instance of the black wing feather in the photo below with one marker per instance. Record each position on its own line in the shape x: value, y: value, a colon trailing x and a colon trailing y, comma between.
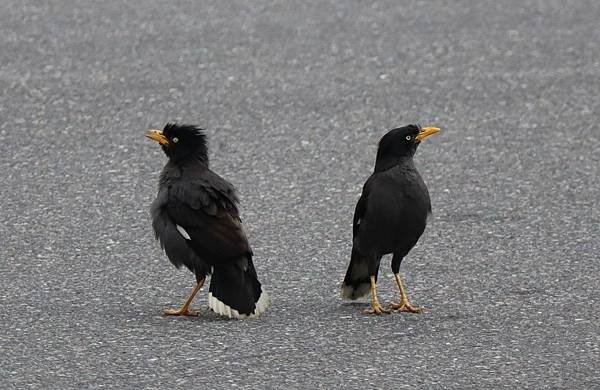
x: 174, y: 244
x: 361, y: 205
x: 205, y: 206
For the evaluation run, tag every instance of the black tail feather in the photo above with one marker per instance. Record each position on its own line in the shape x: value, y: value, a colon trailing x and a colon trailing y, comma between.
x: 235, y: 291
x: 357, y: 282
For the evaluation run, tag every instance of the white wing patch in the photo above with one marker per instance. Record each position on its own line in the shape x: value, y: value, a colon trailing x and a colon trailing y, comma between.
x: 183, y: 232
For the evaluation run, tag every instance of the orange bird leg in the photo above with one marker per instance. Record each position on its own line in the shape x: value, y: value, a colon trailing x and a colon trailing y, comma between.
x: 404, y: 305
x: 184, y: 310
x: 375, y: 306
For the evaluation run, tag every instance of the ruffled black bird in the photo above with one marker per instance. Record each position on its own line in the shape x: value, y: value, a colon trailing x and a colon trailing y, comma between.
x: 390, y: 216
x: 196, y: 219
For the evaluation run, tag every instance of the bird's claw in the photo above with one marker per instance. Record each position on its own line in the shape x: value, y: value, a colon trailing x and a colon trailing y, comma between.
x: 376, y: 309
x: 406, y: 307
x: 181, y: 312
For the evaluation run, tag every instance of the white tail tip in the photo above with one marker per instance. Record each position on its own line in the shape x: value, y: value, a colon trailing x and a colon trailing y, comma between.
x: 352, y: 293
x: 222, y: 309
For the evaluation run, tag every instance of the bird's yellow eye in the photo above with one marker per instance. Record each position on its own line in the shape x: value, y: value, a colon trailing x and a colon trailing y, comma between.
x: 175, y: 139
x: 408, y: 137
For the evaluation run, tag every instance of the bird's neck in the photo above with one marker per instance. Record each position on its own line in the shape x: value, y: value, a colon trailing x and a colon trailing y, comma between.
x: 174, y: 170
x: 190, y: 160
x: 385, y: 162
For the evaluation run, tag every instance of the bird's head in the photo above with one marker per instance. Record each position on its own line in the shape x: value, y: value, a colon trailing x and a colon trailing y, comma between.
x: 400, y: 143
x: 181, y: 142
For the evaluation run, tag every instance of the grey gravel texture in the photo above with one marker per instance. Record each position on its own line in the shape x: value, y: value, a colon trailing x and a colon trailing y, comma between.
x: 294, y: 97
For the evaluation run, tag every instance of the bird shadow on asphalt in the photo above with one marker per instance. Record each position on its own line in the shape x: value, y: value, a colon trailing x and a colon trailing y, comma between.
x: 357, y: 308
x: 154, y: 314
x: 333, y: 310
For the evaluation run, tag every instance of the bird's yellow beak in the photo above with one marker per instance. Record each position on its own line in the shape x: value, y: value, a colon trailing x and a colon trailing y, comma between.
x: 158, y: 136
x: 426, y: 132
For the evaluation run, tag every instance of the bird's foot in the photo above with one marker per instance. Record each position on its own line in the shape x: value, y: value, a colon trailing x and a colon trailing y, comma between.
x: 406, y: 307
x: 181, y: 312
x: 376, y: 309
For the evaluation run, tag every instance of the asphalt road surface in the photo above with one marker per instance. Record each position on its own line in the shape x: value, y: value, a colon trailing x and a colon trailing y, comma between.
x: 294, y: 97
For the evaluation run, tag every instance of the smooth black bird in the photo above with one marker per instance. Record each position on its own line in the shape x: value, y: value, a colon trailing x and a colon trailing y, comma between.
x: 196, y: 219
x: 390, y: 216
